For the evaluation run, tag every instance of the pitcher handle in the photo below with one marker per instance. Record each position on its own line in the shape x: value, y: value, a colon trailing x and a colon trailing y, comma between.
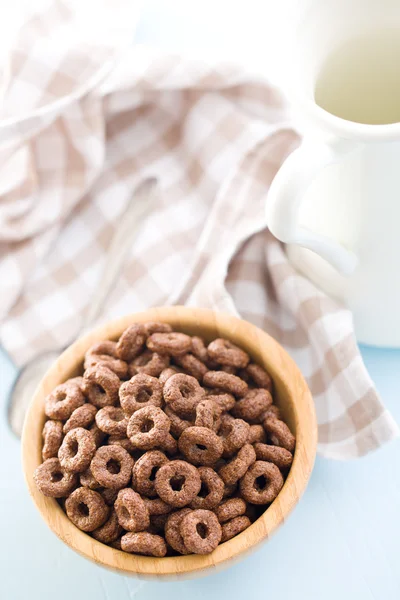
x: 286, y: 194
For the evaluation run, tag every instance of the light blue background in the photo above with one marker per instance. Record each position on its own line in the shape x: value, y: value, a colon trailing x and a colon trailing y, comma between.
x: 341, y: 542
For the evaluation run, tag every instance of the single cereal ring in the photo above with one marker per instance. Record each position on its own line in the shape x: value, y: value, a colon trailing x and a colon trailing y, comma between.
x: 225, y: 401
x: 86, y: 509
x: 124, y: 442
x: 172, y: 531
x: 131, y: 511
x: 183, y: 393
x: 52, y: 435
x: 200, y: 445
x: 177, y: 483
x: 259, y: 376
x: 105, y: 353
x: 145, y: 470
x: 158, y: 522
x: 148, y: 427
x: 101, y: 386
x: 273, y: 412
x: 208, y: 414
x: 234, y: 527
x: 110, y: 531
x: 211, y: 491
x: 192, y: 365
x: 226, y: 353
x: 131, y: 342
x: 52, y: 480
x: 230, y: 490
x: 112, y: 467
x: 279, y: 433
x: 237, y: 467
x: 63, y: 400
x: 86, y: 479
x: 149, y: 363
x: 170, y: 445
x: 112, y: 420
x: 98, y: 435
x: 156, y: 506
x: 140, y: 391
x: 262, y: 483
x: 173, y: 343
x: 83, y: 416
x: 77, y: 450
x: 256, y: 434
x: 224, y: 381
x: 157, y: 327
x: 167, y: 373
x: 281, y: 457
x: 144, y: 543
x: 201, y: 531
x: 234, y: 434
x: 234, y: 507
x: 178, y: 424
x: 109, y: 496
x: 253, y: 405
x: 199, y: 348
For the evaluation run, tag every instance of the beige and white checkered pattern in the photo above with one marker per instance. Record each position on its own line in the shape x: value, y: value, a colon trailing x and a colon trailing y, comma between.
x: 82, y: 125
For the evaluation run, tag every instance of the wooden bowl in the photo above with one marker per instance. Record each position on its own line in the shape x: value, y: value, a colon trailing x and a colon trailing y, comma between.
x: 292, y: 396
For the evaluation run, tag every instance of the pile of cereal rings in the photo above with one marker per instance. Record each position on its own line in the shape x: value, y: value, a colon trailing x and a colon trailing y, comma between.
x: 165, y: 445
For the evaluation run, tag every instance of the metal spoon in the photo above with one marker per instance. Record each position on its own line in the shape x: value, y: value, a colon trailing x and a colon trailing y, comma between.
x: 30, y: 375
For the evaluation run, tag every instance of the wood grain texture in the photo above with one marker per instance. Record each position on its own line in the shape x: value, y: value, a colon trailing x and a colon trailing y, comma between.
x: 292, y: 396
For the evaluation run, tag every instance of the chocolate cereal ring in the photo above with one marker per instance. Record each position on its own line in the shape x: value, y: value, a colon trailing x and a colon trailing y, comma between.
x: 177, y: 483
x: 140, y: 391
x: 183, y: 393
x: 281, y: 457
x: 257, y: 434
x: 77, y: 450
x: 262, y: 483
x: 54, y: 481
x: 279, y: 433
x: 98, y: 435
x: 112, y: 467
x: 253, y: 405
x: 234, y: 527
x: 200, y: 445
x: 52, y: 435
x: 145, y: 470
x: 178, y: 424
x: 234, y: 507
x: 226, y: 353
x: 63, y: 400
x: 211, y: 491
x: 230, y: 490
x: 208, y: 414
x: 167, y: 373
x: 158, y: 522
x: 156, y: 506
x: 259, y: 376
x: 112, y: 420
x: 201, y: 531
x: 110, y: 531
x: 109, y: 496
x: 124, y: 442
x: 144, y: 543
x: 148, y: 427
x: 173, y: 343
x: 86, y: 509
x: 226, y: 382
x: 157, y: 327
x: 86, y: 479
x: 131, y: 511
x: 101, y: 386
x: 83, y: 416
x: 225, y: 401
x: 273, y: 412
x: 170, y: 445
x: 131, y: 342
x: 106, y: 353
x: 172, y: 531
x: 192, y: 365
x: 199, y: 348
x: 237, y: 467
x: 228, y: 369
x: 234, y: 434
x: 149, y: 363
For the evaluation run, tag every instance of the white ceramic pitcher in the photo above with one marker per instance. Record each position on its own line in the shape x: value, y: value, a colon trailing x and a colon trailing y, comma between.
x: 336, y: 199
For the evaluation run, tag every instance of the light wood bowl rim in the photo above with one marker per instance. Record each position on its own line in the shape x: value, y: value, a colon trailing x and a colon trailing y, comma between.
x: 287, y: 378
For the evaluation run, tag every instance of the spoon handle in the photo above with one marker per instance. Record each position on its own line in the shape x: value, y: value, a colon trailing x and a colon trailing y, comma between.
x: 129, y: 225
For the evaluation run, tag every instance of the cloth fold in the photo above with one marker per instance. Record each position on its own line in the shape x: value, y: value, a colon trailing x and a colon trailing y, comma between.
x: 214, y: 137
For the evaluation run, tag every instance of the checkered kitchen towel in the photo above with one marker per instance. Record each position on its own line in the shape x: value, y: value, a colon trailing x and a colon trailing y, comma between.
x: 84, y: 120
